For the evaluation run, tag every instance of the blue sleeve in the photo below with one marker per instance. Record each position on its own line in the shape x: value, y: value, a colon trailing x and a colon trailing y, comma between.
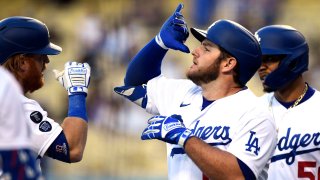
x: 246, y: 171
x: 145, y: 65
x: 136, y: 94
x: 19, y: 164
x: 59, y: 149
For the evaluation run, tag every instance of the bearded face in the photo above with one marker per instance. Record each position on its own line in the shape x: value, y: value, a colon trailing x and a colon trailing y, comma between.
x: 207, y: 59
x: 206, y: 74
x: 28, y: 70
x: 269, y: 64
x: 33, y: 78
x: 267, y: 89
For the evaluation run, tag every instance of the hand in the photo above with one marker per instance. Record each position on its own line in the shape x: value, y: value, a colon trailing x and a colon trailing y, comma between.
x: 136, y: 94
x: 75, y: 77
x: 167, y: 129
x: 174, y: 32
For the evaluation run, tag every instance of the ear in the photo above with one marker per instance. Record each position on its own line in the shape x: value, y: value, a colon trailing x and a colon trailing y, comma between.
x: 229, y: 64
x: 24, y: 64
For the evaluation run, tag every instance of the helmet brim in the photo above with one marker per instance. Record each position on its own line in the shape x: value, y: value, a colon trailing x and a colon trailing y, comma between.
x: 50, y: 49
x: 199, y: 34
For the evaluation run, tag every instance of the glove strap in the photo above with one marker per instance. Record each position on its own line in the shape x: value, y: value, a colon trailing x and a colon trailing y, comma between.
x: 160, y: 42
x: 185, y: 136
x: 78, y: 89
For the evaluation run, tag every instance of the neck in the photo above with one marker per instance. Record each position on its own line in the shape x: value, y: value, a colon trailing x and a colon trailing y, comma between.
x: 292, y: 91
x: 216, y: 90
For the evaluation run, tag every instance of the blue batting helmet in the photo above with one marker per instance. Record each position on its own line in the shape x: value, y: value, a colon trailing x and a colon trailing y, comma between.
x: 236, y: 40
x: 20, y: 34
x: 284, y: 40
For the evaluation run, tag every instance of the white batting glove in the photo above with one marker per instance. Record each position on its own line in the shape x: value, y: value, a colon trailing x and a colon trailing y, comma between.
x: 75, y: 77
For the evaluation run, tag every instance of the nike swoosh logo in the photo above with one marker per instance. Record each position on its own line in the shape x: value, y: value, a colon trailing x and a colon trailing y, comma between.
x: 183, y: 105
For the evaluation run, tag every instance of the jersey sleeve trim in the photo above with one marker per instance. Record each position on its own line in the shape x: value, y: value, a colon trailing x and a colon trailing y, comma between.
x: 49, y: 141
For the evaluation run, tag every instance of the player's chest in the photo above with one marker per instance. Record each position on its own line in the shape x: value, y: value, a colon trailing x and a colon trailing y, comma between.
x: 298, y: 135
x: 212, y: 124
x: 297, y: 123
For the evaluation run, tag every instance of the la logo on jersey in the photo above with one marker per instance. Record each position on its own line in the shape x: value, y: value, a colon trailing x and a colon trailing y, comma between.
x: 253, y: 143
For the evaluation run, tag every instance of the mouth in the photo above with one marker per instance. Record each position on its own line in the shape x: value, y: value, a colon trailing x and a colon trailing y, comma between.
x: 193, y: 66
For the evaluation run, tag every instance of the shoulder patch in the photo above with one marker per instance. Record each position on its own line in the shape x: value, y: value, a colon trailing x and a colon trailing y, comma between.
x: 45, y: 126
x: 36, y: 117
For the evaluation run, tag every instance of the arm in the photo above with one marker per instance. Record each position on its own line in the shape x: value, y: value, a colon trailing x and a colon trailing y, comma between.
x: 75, y: 130
x: 147, y: 63
x: 213, y: 162
x: 75, y: 78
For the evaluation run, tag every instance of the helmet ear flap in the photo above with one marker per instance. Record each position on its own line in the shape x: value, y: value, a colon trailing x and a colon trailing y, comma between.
x: 282, y: 39
x: 292, y: 65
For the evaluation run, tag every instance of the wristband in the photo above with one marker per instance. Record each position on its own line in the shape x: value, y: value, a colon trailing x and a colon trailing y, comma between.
x: 77, y: 106
x: 184, y: 137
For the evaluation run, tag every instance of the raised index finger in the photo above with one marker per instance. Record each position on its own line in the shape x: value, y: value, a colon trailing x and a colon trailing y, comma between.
x: 180, y: 6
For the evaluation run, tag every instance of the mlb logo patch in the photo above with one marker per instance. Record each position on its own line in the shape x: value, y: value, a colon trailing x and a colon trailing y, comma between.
x: 36, y: 117
x: 45, y: 126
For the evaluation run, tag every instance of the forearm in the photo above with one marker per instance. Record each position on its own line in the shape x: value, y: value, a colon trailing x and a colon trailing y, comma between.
x: 145, y: 65
x: 75, y: 126
x: 213, y: 162
x: 75, y: 78
x: 75, y: 130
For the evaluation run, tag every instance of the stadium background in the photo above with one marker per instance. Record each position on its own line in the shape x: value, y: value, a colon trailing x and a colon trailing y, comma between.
x: 106, y: 34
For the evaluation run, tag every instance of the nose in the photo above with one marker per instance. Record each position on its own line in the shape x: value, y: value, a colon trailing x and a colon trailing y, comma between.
x: 195, y: 52
x: 263, y: 67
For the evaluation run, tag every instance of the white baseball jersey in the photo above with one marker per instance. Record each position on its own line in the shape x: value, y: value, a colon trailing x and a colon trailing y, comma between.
x: 14, y: 131
x: 43, y: 129
x: 236, y: 124
x: 297, y: 154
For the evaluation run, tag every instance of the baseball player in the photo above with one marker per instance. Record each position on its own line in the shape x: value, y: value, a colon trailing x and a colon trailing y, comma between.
x: 212, y: 123
x: 291, y: 101
x: 24, y: 46
x: 17, y: 161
